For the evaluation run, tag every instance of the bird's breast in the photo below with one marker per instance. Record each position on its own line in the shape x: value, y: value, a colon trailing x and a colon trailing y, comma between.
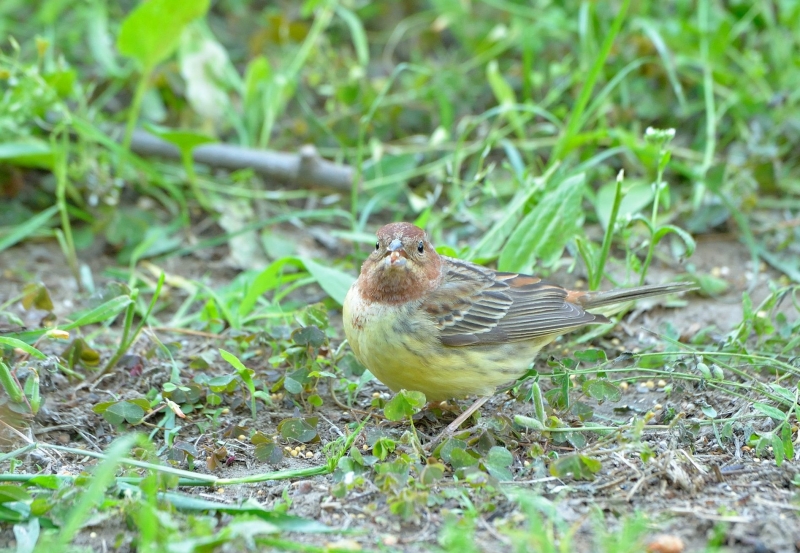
x: 375, y: 328
x: 400, y: 345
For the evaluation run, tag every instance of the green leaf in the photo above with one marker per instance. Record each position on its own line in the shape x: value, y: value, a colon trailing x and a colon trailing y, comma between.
x: 490, y: 242
x: 315, y: 314
x: 14, y: 511
x: 685, y: 236
x: 358, y: 34
x: 297, y: 429
x: 221, y: 383
x: 308, y: 336
x: 34, y: 153
x: 635, y: 197
x: 23, y: 230
x: 315, y: 400
x: 283, y: 521
x: 241, y: 370
x: 786, y: 438
x: 151, y: 32
x: 46, y: 481
x: 383, y: 447
x: 258, y: 71
x: 576, y: 440
x: 449, y: 446
x: 104, y: 312
x: 785, y: 393
x: 460, y: 459
x: 404, y: 404
x: 268, y: 279
x: 336, y: 283
x: 770, y: 411
x: 710, y: 285
x: 185, y: 141
x: 545, y: 231
x: 504, y: 94
x: 777, y: 449
x: 499, y: 456
x: 269, y: 453
x: 10, y: 493
x: 580, y: 467
x: 591, y: 355
x: 582, y: 411
x: 292, y: 386
x: 27, y: 535
x: 93, y: 494
x: 123, y: 411
x: 497, y: 462
x: 556, y: 398
x: 431, y: 473
x: 601, y: 390
x: 709, y: 411
x: 14, y: 343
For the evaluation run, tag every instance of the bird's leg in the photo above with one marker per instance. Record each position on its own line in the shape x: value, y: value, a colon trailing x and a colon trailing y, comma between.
x: 453, y: 426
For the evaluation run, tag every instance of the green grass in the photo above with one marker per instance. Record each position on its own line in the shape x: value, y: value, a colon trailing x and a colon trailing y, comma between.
x: 613, y: 136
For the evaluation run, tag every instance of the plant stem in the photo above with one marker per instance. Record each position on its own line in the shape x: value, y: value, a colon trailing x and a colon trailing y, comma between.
x: 657, y: 186
x: 135, y: 107
x: 597, y: 275
x: 125, y: 342
x: 65, y: 240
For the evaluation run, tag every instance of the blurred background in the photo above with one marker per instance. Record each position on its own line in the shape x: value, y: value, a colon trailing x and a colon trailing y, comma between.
x: 460, y: 114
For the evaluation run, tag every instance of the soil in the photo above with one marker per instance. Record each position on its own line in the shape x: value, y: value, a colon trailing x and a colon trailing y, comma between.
x: 695, y: 486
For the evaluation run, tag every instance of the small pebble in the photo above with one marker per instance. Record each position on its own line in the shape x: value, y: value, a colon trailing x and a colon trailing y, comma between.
x: 304, y: 486
x: 665, y: 543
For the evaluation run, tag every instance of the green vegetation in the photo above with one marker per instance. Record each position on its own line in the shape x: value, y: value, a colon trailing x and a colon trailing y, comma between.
x: 169, y: 308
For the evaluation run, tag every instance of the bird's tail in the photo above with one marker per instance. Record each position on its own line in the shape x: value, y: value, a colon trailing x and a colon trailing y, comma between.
x: 594, y: 300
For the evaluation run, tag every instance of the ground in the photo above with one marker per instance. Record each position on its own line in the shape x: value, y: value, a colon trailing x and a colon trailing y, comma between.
x: 696, y: 486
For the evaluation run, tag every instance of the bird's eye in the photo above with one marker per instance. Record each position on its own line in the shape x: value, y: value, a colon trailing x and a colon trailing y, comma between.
x: 377, y: 246
x: 420, y: 247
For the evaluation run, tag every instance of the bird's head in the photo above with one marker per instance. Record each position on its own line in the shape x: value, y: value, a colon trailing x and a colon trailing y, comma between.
x: 403, y: 267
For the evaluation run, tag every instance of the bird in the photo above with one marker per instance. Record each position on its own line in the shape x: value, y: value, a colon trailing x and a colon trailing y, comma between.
x: 450, y: 328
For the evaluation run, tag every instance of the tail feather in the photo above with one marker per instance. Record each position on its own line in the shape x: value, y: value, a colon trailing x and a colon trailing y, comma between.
x: 594, y: 300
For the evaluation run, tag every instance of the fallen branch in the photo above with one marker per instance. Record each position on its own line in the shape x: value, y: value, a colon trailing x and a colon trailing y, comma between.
x: 306, y: 169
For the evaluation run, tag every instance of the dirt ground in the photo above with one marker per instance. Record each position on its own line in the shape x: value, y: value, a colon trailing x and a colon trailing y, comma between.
x: 696, y: 486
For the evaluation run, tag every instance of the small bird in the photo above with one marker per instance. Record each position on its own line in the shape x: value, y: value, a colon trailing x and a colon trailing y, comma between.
x: 450, y: 328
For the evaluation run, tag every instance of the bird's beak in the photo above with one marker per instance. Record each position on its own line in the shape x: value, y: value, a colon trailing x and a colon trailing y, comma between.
x: 396, y: 255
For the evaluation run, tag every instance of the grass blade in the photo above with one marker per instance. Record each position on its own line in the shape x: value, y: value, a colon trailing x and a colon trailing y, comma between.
x: 21, y: 232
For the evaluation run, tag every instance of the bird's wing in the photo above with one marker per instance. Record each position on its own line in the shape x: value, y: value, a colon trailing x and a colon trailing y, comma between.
x: 475, y: 305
